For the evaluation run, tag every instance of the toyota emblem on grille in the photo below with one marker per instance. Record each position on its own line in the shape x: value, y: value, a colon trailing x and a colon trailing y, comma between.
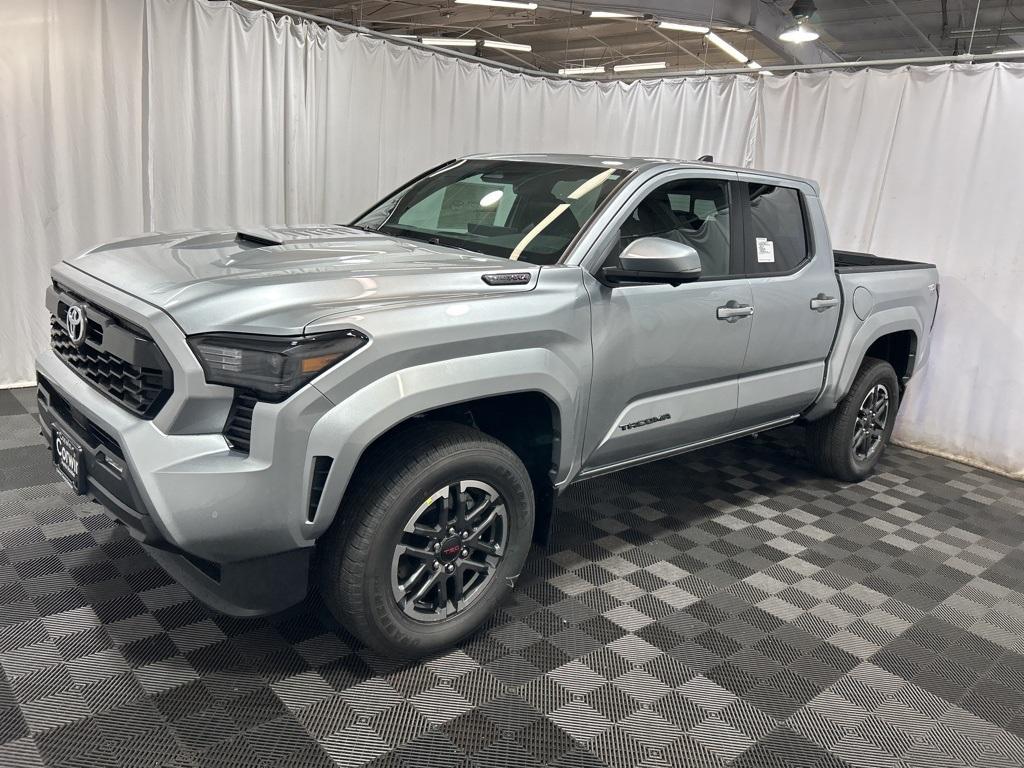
x: 75, y: 322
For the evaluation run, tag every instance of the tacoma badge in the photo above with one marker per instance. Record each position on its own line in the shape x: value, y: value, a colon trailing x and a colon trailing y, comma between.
x: 644, y: 422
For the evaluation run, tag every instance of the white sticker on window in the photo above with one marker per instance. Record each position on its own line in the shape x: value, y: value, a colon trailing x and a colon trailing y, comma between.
x: 765, y: 251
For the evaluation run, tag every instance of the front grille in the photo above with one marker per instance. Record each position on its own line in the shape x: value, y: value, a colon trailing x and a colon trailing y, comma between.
x: 115, y: 357
x: 238, y: 429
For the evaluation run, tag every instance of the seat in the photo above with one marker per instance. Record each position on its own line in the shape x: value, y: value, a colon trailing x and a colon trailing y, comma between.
x: 529, y: 211
x: 652, y: 218
x: 711, y: 241
x: 533, y: 209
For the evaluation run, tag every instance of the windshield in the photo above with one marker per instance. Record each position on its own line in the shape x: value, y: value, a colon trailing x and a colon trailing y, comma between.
x: 516, y: 210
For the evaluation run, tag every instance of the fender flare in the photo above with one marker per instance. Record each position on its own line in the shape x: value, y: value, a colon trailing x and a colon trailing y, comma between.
x: 839, y: 379
x: 352, y: 425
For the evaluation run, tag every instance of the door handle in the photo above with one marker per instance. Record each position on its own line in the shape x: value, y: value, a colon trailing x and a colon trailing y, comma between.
x: 821, y: 302
x: 732, y: 311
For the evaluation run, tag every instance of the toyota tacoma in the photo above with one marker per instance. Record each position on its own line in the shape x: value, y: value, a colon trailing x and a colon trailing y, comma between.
x: 405, y: 396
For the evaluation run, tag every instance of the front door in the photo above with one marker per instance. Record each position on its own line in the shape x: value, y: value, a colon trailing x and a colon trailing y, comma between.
x: 666, y: 359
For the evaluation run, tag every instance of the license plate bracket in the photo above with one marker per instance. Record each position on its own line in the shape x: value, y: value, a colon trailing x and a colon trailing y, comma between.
x: 68, y: 457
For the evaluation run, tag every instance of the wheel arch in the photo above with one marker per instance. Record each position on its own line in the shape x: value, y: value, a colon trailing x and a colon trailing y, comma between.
x: 899, y: 349
x: 528, y: 403
x: 893, y: 335
x: 527, y: 422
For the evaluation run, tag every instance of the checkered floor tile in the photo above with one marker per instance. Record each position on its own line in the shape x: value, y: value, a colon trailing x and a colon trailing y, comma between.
x: 728, y: 608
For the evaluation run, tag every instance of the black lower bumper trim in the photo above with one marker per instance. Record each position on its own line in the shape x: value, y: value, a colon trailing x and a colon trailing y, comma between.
x: 256, y: 587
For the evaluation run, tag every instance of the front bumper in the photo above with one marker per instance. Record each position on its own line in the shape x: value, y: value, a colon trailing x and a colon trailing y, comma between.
x: 239, y: 587
x: 234, y: 528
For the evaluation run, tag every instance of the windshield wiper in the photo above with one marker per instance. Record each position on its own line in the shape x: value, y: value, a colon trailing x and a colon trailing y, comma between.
x: 424, y: 237
x: 419, y: 237
x: 435, y: 240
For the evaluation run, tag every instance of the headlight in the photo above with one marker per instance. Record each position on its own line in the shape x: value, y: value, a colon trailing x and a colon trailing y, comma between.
x: 271, y: 366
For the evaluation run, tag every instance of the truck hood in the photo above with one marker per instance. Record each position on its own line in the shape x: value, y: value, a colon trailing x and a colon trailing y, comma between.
x: 216, y: 281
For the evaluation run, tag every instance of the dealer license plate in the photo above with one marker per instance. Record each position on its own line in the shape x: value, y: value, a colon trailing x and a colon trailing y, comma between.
x: 67, y: 455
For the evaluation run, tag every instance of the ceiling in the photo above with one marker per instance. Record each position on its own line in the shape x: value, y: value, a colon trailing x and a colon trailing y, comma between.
x: 562, y: 34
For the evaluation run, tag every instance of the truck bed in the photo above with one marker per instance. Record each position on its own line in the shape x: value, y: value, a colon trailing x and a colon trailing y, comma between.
x: 849, y: 262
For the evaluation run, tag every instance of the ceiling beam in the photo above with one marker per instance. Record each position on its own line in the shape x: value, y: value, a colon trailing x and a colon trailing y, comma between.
x: 520, y: 25
x: 648, y: 37
x: 681, y: 47
x: 913, y: 26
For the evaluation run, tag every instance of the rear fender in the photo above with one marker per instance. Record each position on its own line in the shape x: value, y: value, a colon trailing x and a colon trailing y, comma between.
x: 853, y: 342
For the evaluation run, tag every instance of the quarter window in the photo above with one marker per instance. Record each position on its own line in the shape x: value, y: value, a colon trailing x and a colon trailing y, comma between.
x: 777, y: 241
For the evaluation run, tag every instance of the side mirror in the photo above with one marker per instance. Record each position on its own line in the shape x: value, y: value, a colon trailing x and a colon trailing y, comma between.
x: 654, y: 260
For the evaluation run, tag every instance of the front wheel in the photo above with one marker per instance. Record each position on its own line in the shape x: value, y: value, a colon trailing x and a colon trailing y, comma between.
x: 431, y: 537
x: 848, y: 443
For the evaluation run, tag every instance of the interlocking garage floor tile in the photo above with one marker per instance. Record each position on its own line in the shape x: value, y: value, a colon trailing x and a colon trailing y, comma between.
x: 727, y: 608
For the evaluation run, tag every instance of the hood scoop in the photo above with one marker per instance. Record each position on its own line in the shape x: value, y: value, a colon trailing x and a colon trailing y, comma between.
x: 258, y: 238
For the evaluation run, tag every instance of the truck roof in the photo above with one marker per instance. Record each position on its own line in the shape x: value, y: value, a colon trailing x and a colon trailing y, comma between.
x: 632, y: 163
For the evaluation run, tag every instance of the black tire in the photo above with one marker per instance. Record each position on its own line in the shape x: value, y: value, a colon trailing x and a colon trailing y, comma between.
x: 395, y: 478
x: 830, y: 439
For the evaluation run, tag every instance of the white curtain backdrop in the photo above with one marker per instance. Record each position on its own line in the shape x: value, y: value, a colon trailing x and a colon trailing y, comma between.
x: 121, y: 116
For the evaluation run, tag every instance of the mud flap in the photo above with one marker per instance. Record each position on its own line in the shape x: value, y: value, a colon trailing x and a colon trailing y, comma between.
x: 544, y: 513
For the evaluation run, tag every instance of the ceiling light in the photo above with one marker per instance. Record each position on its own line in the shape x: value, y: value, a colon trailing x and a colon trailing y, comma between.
x: 1014, y: 52
x: 501, y: 44
x: 491, y: 198
x: 582, y: 71
x: 753, y: 64
x: 713, y: 38
x: 613, y: 15
x: 639, y: 67
x: 798, y: 34
x: 683, y: 27
x: 455, y: 42
x: 500, y: 4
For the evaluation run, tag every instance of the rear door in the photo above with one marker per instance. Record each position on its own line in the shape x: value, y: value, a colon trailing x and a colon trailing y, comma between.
x: 796, y: 299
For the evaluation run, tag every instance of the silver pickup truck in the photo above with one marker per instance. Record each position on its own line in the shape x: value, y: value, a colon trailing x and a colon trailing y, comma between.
x: 408, y: 394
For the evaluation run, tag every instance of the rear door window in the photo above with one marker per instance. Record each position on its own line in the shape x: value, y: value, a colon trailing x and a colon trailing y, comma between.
x: 776, y: 238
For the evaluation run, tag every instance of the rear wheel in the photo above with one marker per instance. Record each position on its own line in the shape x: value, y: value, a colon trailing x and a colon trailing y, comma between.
x: 431, y: 537
x: 848, y: 443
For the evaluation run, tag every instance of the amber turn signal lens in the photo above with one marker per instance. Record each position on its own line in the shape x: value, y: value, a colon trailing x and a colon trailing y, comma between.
x: 316, y: 364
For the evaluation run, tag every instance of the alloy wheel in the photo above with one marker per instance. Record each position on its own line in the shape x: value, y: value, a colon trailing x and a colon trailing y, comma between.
x: 870, y: 424
x: 449, y: 549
